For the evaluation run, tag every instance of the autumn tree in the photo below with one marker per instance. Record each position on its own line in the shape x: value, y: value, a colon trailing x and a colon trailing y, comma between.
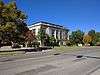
x: 87, y: 39
x: 30, y: 36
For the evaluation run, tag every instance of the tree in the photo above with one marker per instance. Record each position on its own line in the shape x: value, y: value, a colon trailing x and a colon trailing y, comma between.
x: 30, y: 38
x: 52, y: 41
x: 12, y: 25
x: 92, y: 34
x: 47, y: 40
x: 87, y: 39
x: 97, y: 35
x: 41, y: 36
x: 76, y: 37
x: 97, y: 38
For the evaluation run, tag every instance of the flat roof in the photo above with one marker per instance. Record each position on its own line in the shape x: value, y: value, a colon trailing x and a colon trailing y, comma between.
x: 48, y: 24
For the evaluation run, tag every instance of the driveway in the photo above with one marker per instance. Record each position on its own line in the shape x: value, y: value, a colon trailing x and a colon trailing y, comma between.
x: 63, y: 64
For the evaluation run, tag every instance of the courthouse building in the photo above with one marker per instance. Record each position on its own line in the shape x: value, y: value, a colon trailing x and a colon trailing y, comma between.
x: 59, y: 32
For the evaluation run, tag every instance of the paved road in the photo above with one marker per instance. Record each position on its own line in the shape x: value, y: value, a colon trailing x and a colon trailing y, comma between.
x: 63, y: 64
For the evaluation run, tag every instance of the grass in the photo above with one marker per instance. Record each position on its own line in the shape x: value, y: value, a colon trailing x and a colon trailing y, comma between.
x: 9, y: 53
x: 60, y: 49
x: 63, y: 49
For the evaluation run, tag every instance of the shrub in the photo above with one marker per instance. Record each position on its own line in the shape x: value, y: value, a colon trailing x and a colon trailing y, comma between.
x: 35, y: 44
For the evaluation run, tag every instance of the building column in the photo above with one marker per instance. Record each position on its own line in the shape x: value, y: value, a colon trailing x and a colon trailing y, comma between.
x: 59, y: 34
x: 48, y: 31
x: 55, y: 34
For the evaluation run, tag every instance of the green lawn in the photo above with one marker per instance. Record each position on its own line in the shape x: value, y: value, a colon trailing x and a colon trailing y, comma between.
x: 60, y: 49
x: 10, y: 53
x: 63, y: 49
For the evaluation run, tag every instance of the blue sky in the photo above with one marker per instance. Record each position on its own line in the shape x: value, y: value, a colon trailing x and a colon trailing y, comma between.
x: 73, y: 14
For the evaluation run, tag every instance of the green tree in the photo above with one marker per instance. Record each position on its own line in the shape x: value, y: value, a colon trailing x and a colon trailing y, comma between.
x: 52, y: 41
x: 76, y: 37
x: 12, y: 25
x: 92, y: 33
x: 47, y: 40
x: 41, y: 36
x: 97, y: 38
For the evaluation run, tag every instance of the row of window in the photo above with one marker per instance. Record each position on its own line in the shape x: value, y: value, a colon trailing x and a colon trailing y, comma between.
x: 52, y: 33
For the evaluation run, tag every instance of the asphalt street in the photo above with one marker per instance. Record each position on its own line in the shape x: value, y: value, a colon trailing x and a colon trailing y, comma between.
x: 59, y: 64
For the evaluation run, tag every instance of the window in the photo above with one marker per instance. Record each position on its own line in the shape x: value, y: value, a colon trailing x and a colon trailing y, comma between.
x: 57, y: 34
x: 53, y: 32
x: 60, y: 34
x: 34, y: 30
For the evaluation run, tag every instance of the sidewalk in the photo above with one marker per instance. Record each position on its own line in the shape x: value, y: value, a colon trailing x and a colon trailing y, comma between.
x: 25, y: 55
x: 9, y: 49
x: 26, y: 49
